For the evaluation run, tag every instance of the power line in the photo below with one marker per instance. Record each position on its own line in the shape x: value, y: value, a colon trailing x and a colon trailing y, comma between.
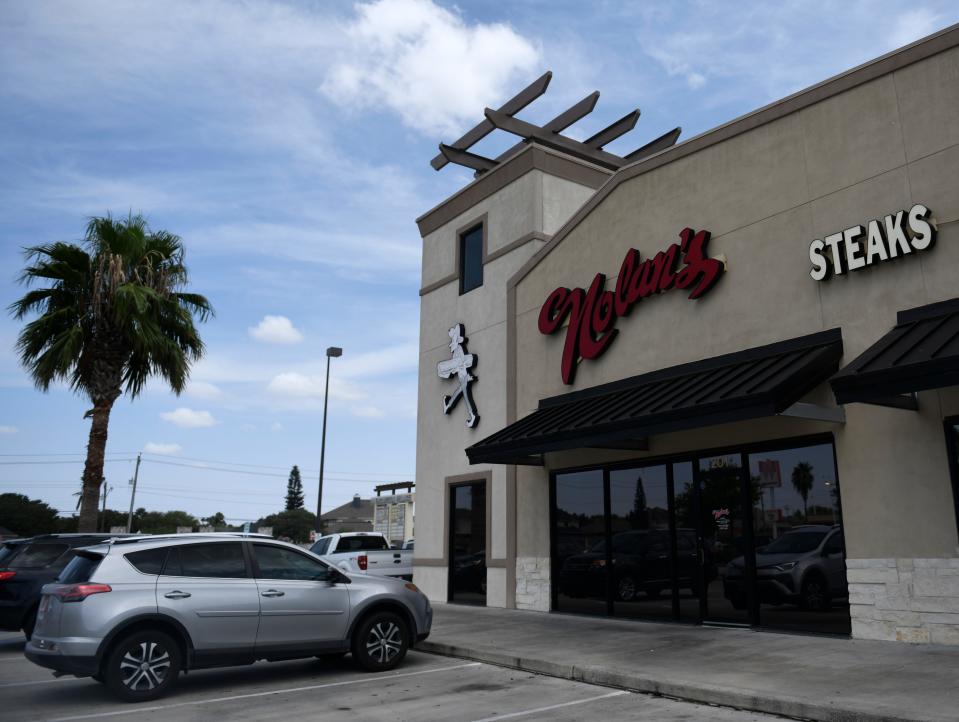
x: 75, y: 453
x: 280, y: 468
x: 203, y: 467
x: 73, y: 461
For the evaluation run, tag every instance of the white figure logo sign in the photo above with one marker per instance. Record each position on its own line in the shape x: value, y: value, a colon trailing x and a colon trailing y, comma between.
x: 458, y: 366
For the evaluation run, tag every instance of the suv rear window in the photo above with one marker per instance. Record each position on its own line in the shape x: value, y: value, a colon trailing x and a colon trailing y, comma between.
x: 37, y: 556
x: 148, y: 561
x: 361, y: 544
x: 80, y: 569
x: 224, y: 560
x: 7, y: 551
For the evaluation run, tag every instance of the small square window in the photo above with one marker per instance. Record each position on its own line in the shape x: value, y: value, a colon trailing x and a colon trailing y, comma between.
x: 471, y: 259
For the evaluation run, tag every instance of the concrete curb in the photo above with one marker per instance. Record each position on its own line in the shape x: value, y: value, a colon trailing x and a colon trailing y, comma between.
x: 744, y: 699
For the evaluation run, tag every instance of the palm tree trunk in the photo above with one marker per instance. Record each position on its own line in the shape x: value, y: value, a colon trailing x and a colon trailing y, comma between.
x: 93, y: 470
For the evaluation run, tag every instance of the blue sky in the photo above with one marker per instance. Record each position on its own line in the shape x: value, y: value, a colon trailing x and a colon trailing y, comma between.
x: 288, y: 143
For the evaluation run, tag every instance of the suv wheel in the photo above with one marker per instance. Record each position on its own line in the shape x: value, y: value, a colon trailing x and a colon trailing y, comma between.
x: 380, y: 642
x: 142, y: 666
x: 815, y: 594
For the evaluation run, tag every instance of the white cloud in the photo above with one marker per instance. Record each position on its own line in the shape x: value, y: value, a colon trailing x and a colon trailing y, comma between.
x: 276, y: 426
x: 750, y: 53
x: 276, y: 329
x: 153, y: 447
x: 295, y: 385
x: 247, y: 427
x: 427, y: 64
x: 204, y: 390
x: 8, y: 429
x: 189, y: 418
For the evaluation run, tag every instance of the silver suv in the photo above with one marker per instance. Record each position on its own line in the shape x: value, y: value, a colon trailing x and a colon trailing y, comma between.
x: 133, y: 613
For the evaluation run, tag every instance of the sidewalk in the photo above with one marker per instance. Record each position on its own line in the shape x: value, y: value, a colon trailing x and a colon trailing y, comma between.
x: 810, y: 677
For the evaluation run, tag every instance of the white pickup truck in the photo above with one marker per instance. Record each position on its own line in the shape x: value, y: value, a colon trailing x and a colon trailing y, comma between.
x: 367, y: 552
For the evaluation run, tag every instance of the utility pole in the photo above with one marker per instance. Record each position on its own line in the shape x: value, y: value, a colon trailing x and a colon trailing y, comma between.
x: 331, y: 352
x: 103, y: 514
x: 133, y: 494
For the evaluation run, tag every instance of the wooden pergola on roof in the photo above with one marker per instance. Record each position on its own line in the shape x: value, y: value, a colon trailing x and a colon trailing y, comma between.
x: 548, y: 135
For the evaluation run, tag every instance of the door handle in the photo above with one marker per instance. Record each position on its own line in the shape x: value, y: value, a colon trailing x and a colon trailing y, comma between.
x: 272, y: 593
x: 177, y: 594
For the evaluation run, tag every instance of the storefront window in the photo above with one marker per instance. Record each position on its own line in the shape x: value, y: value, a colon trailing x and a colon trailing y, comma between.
x: 800, y: 552
x: 641, y: 541
x: 725, y: 540
x: 732, y: 538
x: 581, y: 557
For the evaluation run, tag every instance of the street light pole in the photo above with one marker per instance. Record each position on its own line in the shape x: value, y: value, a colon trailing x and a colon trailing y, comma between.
x: 331, y: 352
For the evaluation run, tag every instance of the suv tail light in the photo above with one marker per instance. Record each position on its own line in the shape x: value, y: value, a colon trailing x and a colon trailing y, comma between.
x: 77, y: 592
x: 4, y: 576
x: 363, y: 561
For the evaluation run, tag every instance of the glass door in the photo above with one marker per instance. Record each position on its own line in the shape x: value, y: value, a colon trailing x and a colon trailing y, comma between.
x: 726, y: 555
x: 467, y: 515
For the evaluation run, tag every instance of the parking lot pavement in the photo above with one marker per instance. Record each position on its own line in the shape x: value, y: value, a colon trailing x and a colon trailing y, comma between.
x: 424, y: 687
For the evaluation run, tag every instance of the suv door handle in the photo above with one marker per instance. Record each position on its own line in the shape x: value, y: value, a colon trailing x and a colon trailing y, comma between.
x: 177, y: 594
x: 272, y: 593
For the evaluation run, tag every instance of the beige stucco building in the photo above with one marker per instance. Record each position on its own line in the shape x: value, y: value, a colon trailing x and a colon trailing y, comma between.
x: 779, y: 451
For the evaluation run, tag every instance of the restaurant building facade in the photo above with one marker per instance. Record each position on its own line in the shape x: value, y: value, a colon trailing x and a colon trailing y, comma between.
x: 714, y: 381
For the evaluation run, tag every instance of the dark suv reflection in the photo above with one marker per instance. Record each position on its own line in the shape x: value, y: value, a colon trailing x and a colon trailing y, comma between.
x: 641, y: 563
x: 806, y: 566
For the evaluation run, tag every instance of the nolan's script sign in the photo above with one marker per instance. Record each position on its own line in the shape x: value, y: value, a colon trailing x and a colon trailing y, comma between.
x: 592, y: 313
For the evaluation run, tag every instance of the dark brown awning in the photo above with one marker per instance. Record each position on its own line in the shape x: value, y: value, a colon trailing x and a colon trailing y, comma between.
x: 920, y: 353
x: 757, y: 382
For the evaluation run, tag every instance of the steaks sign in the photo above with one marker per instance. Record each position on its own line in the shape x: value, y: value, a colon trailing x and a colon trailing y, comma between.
x: 593, y: 312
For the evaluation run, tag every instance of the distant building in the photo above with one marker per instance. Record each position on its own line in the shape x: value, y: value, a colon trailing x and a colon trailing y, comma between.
x: 356, y: 515
x: 393, y: 512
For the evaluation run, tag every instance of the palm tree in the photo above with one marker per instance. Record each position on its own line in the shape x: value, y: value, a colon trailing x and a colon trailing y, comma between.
x: 111, y: 313
x: 802, y: 478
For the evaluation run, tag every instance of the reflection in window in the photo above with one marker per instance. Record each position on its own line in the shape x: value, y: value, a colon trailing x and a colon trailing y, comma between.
x: 642, y: 546
x: 468, y: 543
x: 579, y: 535
x: 471, y: 259
x: 800, y: 554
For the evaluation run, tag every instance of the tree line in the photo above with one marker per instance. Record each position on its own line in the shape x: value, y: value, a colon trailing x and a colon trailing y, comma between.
x: 28, y: 517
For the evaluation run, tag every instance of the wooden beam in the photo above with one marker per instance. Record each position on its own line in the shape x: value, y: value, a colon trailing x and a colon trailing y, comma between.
x: 464, y: 157
x: 515, y: 104
x: 612, y: 131
x: 560, y: 122
x: 554, y: 140
x: 667, y: 140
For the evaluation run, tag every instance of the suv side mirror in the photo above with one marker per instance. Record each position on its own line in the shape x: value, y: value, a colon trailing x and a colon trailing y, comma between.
x: 338, y: 577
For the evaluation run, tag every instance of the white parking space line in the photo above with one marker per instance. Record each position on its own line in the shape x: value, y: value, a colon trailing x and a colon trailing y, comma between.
x: 553, y: 706
x: 136, y: 709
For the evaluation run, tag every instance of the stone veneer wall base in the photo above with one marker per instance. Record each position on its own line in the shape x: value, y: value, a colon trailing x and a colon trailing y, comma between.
x: 905, y: 600
x: 532, y: 583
